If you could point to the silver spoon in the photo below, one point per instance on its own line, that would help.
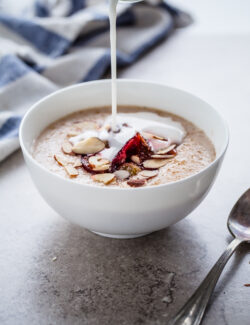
(238, 224)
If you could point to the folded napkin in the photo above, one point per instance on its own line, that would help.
(66, 42)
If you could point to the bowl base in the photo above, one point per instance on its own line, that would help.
(120, 236)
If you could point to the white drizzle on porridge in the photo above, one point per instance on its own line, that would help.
(127, 127)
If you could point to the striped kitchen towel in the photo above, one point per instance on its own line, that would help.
(65, 42)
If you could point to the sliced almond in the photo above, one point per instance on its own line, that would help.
(158, 137)
(60, 160)
(122, 174)
(136, 159)
(67, 148)
(96, 161)
(148, 173)
(166, 150)
(77, 163)
(88, 146)
(154, 163)
(71, 171)
(149, 135)
(101, 168)
(136, 182)
(73, 133)
(162, 156)
(103, 178)
(157, 145)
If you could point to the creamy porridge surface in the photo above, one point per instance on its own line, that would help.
(194, 153)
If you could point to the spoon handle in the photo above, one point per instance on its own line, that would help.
(192, 312)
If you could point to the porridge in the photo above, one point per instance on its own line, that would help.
(149, 147)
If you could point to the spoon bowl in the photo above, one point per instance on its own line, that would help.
(239, 219)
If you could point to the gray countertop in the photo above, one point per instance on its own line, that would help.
(52, 272)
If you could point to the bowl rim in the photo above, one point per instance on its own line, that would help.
(143, 188)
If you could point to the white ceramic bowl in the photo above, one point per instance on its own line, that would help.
(118, 212)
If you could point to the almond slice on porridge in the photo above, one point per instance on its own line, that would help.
(67, 147)
(101, 168)
(62, 161)
(71, 171)
(122, 174)
(73, 133)
(98, 163)
(158, 137)
(148, 174)
(154, 163)
(149, 135)
(77, 162)
(162, 156)
(88, 146)
(136, 159)
(166, 150)
(105, 178)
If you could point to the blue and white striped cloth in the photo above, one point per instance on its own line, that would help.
(66, 42)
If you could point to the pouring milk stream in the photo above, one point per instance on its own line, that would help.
(137, 122)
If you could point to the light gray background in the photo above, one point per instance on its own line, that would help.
(96, 280)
